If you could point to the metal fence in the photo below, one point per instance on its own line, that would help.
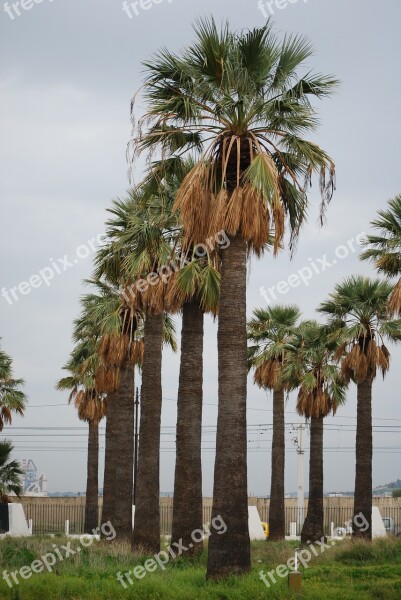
(51, 518)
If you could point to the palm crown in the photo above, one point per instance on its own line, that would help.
(272, 330)
(239, 103)
(361, 322)
(311, 367)
(82, 366)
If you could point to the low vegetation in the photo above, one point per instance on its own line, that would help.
(349, 570)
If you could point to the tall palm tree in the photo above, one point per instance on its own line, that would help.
(138, 245)
(150, 231)
(272, 329)
(10, 473)
(238, 100)
(196, 288)
(358, 312)
(120, 350)
(12, 398)
(384, 249)
(311, 366)
(91, 408)
(88, 327)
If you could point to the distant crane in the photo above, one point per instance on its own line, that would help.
(33, 484)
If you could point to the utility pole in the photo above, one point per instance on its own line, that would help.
(136, 435)
(299, 445)
(301, 493)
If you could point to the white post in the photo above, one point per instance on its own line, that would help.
(301, 494)
(67, 527)
(30, 526)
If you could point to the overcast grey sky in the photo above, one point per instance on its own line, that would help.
(68, 71)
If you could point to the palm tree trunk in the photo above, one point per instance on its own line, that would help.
(147, 513)
(276, 509)
(229, 552)
(313, 529)
(125, 449)
(110, 458)
(92, 481)
(188, 502)
(364, 451)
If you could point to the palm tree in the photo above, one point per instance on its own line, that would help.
(359, 315)
(272, 330)
(236, 99)
(120, 349)
(10, 473)
(196, 288)
(91, 408)
(138, 245)
(140, 233)
(384, 249)
(12, 399)
(311, 366)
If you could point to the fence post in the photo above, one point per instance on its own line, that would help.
(67, 527)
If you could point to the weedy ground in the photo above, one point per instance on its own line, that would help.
(347, 571)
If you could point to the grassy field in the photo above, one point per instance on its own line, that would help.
(352, 571)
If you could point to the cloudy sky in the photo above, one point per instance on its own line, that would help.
(68, 72)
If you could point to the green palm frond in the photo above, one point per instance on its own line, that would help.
(384, 250)
(169, 331)
(10, 473)
(12, 398)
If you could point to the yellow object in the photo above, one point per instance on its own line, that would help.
(265, 528)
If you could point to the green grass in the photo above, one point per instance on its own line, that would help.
(351, 571)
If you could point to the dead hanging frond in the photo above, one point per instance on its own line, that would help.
(394, 302)
(371, 353)
(340, 352)
(383, 359)
(193, 202)
(346, 372)
(362, 361)
(303, 403)
(358, 363)
(154, 297)
(327, 183)
(107, 379)
(90, 406)
(268, 374)
(246, 202)
(137, 350)
(256, 219)
(218, 210)
(131, 296)
(114, 350)
(316, 403)
(5, 416)
(176, 295)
